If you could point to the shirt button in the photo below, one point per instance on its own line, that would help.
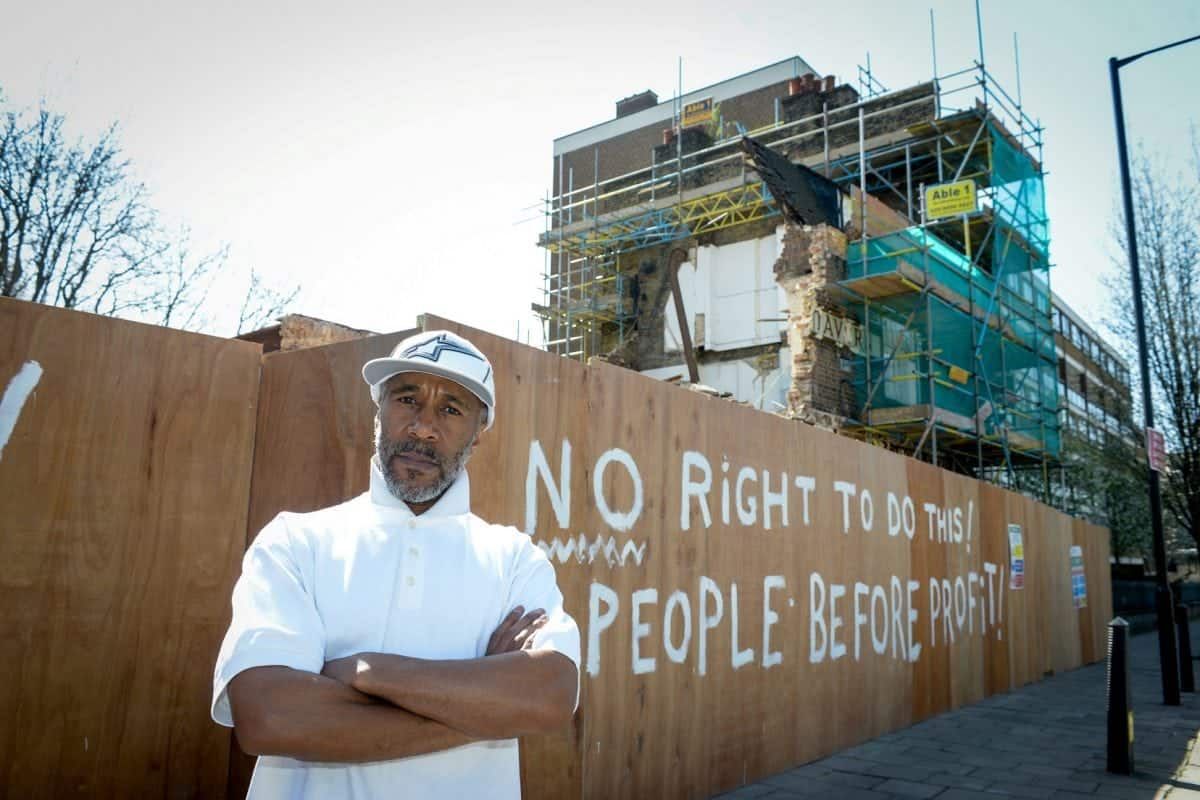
(414, 552)
(412, 523)
(410, 580)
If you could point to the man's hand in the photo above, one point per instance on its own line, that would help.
(344, 670)
(515, 631)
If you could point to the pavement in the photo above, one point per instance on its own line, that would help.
(1044, 740)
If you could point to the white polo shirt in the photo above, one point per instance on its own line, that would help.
(370, 576)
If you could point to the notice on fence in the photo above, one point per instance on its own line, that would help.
(1078, 579)
(1016, 558)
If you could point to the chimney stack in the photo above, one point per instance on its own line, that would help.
(635, 103)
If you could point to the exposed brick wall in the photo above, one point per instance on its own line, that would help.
(880, 218)
(634, 150)
(812, 257)
(842, 109)
(646, 349)
(296, 332)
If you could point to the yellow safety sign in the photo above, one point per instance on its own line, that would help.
(698, 113)
(950, 199)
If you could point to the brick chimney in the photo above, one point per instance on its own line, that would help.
(635, 103)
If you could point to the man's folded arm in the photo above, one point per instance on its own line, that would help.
(281, 711)
(507, 693)
(496, 697)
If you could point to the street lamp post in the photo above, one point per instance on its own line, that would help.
(1167, 648)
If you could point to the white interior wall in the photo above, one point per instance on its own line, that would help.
(734, 287)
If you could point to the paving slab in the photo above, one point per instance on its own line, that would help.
(1044, 740)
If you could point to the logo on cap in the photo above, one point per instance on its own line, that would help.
(432, 349)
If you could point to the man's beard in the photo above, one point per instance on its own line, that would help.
(448, 468)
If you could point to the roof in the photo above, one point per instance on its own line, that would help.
(778, 72)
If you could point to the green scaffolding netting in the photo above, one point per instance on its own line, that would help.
(994, 371)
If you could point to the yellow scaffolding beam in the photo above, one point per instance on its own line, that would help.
(712, 212)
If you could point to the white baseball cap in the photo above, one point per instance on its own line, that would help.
(440, 353)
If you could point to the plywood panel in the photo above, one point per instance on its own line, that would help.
(123, 494)
(1001, 636)
(933, 671)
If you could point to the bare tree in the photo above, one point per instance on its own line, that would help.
(1167, 211)
(1106, 482)
(262, 303)
(76, 230)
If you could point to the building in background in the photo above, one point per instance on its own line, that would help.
(1099, 435)
(1096, 389)
(870, 261)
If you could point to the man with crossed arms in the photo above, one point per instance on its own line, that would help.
(395, 644)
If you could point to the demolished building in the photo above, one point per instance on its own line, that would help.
(869, 261)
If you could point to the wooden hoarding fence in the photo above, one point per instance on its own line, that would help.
(752, 593)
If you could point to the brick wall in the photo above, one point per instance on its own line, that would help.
(811, 257)
(842, 102)
(635, 150)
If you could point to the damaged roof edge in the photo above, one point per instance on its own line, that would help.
(780, 71)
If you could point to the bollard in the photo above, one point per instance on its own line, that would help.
(1187, 680)
(1120, 709)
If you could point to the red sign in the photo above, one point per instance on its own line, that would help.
(1156, 452)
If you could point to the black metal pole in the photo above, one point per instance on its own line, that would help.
(1167, 650)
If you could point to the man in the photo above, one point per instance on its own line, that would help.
(394, 645)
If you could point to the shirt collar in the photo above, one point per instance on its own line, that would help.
(455, 500)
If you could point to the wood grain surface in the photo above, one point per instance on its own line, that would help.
(752, 593)
(123, 495)
(691, 729)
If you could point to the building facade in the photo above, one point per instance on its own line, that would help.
(1094, 379)
(793, 242)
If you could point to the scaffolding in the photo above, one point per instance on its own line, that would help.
(958, 361)
(589, 280)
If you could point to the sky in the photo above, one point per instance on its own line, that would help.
(390, 157)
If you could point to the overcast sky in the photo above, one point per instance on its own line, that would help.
(382, 155)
